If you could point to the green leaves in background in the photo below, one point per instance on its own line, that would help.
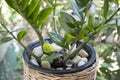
(105, 8)
(21, 35)
(58, 39)
(5, 39)
(47, 48)
(52, 57)
(8, 64)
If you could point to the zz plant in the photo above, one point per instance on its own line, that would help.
(75, 30)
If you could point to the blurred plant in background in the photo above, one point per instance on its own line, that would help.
(106, 42)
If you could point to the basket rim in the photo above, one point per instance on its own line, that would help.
(31, 46)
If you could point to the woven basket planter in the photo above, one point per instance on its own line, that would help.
(85, 72)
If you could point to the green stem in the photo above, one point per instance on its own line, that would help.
(28, 50)
(39, 34)
(74, 53)
(110, 18)
(54, 20)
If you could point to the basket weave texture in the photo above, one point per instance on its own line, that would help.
(87, 74)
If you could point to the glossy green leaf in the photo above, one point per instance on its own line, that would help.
(52, 57)
(21, 34)
(67, 23)
(68, 19)
(77, 7)
(32, 7)
(12, 4)
(83, 33)
(36, 12)
(58, 39)
(5, 39)
(69, 38)
(26, 3)
(44, 14)
(47, 48)
(105, 8)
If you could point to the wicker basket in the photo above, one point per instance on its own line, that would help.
(87, 74)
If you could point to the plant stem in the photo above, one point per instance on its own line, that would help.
(54, 20)
(74, 53)
(28, 50)
(39, 34)
(110, 17)
(68, 53)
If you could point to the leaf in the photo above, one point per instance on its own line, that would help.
(12, 4)
(32, 7)
(21, 34)
(76, 8)
(26, 3)
(69, 38)
(36, 12)
(47, 48)
(68, 19)
(107, 52)
(52, 57)
(83, 33)
(58, 39)
(44, 14)
(105, 8)
(5, 39)
(67, 23)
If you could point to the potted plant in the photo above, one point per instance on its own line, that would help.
(58, 57)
